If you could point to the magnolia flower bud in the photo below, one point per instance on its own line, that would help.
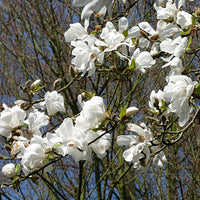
(130, 111)
(7, 147)
(20, 102)
(9, 170)
(35, 84)
(73, 71)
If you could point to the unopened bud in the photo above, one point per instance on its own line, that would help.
(19, 102)
(48, 150)
(56, 83)
(73, 71)
(131, 110)
(18, 132)
(7, 147)
(98, 28)
(9, 170)
(23, 105)
(83, 94)
(35, 84)
(27, 83)
(197, 11)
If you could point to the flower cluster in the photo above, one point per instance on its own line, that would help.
(167, 38)
(35, 149)
(140, 147)
(27, 129)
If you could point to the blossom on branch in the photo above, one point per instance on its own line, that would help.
(34, 156)
(92, 114)
(86, 53)
(76, 31)
(54, 103)
(142, 60)
(138, 152)
(101, 145)
(9, 170)
(111, 36)
(19, 146)
(11, 118)
(171, 12)
(156, 101)
(178, 92)
(35, 121)
(72, 139)
(93, 6)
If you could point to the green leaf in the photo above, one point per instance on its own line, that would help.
(125, 33)
(193, 21)
(36, 89)
(56, 146)
(169, 20)
(89, 94)
(50, 156)
(185, 32)
(194, 14)
(17, 168)
(174, 127)
(123, 112)
(189, 43)
(133, 41)
(152, 111)
(22, 126)
(93, 33)
(15, 182)
(196, 92)
(133, 65)
(110, 110)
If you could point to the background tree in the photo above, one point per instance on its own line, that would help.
(32, 46)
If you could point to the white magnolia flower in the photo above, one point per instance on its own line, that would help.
(86, 53)
(54, 102)
(138, 152)
(142, 60)
(76, 31)
(160, 2)
(184, 19)
(159, 159)
(156, 100)
(177, 92)
(72, 140)
(19, 146)
(101, 145)
(9, 170)
(111, 36)
(163, 30)
(176, 47)
(35, 84)
(34, 156)
(171, 11)
(122, 38)
(92, 114)
(91, 6)
(11, 118)
(131, 110)
(36, 120)
(133, 33)
(175, 65)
